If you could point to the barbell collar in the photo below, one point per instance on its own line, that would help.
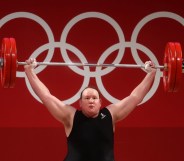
(1, 63)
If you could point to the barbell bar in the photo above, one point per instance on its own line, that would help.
(90, 65)
(172, 69)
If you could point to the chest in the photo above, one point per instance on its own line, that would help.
(93, 130)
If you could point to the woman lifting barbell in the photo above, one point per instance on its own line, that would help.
(90, 130)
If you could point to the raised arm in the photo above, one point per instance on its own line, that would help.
(62, 112)
(125, 106)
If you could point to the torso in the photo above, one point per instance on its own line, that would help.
(91, 139)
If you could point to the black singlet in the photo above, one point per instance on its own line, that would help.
(91, 139)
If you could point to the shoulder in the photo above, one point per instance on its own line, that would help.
(106, 111)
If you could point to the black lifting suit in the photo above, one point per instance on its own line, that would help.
(91, 139)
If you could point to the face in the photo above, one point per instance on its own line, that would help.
(90, 102)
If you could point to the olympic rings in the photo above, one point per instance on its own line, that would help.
(99, 72)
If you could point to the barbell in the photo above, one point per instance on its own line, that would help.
(172, 69)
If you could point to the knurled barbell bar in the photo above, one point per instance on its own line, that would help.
(172, 69)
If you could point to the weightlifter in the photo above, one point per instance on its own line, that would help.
(90, 130)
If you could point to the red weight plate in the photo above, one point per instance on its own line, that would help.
(170, 71)
(172, 68)
(1, 68)
(165, 71)
(6, 69)
(178, 67)
(13, 53)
